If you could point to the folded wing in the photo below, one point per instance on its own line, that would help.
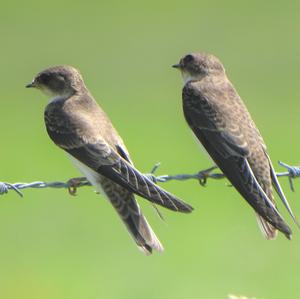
(226, 144)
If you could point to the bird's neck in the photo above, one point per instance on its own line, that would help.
(187, 77)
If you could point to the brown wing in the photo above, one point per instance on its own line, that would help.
(124, 174)
(228, 148)
(79, 138)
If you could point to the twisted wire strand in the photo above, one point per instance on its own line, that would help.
(202, 176)
(292, 173)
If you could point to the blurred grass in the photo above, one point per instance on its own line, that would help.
(54, 246)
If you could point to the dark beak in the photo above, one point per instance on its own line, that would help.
(176, 66)
(32, 84)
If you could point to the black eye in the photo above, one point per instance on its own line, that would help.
(188, 58)
(43, 78)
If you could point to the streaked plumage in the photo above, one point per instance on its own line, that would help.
(76, 123)
(221, 122)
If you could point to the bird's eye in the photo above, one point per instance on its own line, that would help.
(188, 58)
(44, 78)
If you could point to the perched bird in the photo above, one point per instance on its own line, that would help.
(220, 120)
(76, 123)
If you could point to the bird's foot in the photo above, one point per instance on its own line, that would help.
(74, 183)
(205, 174)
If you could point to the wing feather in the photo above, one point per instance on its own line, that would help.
(226, 143)
(280, 192)
(106, 160)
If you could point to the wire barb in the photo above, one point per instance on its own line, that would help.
(292, 173)
(202, 176)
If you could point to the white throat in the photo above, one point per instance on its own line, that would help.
(52, 96)
(188, 77)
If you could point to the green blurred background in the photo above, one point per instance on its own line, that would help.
(56, 246)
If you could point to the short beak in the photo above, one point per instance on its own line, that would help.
(30, 85)
(176, 66)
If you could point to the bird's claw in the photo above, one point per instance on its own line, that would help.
(203, 179)
(204, 175)
(73, 184)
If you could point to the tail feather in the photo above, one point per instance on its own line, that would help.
(137, 224)
(268, 230)
(128, 209)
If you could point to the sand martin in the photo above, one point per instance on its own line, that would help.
(222, 123)
(78, 125)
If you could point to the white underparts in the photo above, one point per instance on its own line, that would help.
(92, 176)
(187, 77)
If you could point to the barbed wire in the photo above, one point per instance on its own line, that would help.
(202, 176)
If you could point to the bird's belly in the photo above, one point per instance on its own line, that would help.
(92, 176)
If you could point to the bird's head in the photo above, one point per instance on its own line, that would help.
(196, 66)
(58, 81)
